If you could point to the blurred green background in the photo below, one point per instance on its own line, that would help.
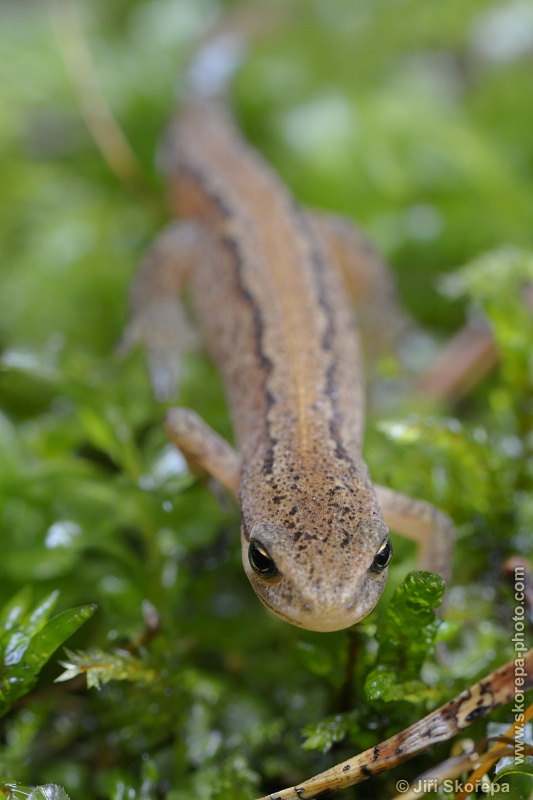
(415, 118)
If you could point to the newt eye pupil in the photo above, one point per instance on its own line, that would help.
(260, 560)
(382, 557)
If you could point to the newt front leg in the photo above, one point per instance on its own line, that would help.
(158, 320)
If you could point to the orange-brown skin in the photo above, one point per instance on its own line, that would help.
(272, 307)
(276, 320)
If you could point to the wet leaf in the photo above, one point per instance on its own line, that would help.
(27, 640)
(101, 668)
(406, 639)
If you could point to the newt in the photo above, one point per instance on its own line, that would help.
(270, 285)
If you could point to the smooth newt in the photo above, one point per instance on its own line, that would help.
(268, 284)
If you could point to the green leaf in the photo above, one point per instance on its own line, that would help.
(28, 639)
(13, 611)
(22, 624)
(101, 667)
(329, 731)
(406, 639)
(382, 684)
(55, 632)
(514, 780)
(48, 791)
(526, 768)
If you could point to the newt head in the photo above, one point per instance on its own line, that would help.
(321, 574)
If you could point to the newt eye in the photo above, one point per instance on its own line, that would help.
(260, 560)
(382, 557)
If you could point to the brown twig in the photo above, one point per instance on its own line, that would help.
(474, 703)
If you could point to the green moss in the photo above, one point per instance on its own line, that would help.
(424, 136)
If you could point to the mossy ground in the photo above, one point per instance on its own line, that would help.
(412, 116)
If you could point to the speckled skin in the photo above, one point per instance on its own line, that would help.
(275, 318)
